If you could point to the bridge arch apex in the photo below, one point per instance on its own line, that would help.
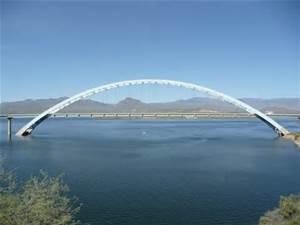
(29, 127)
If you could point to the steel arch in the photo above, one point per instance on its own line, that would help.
(29, 127)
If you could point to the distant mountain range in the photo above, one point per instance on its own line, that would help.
(278, 105)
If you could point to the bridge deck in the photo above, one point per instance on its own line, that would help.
(147, 115)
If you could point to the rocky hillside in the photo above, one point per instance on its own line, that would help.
(284, 105)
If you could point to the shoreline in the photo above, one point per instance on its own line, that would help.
(295, 137)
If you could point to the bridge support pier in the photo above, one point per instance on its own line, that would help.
(9, 122)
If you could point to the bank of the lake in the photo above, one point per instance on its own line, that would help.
(295, 137)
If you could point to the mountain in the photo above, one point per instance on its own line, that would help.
(39, 105)
(29, 105)
(130, 105)
(279, 105)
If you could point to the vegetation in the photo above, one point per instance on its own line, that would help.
(288, 212)
(41, 200)
(296, 135)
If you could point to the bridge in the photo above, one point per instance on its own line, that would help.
(29, 127)
(149, 115)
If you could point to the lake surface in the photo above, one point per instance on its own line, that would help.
(207, 172)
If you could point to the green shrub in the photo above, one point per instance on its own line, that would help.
(288, 212)
(41, 200)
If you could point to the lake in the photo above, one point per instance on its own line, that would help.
(205, 172)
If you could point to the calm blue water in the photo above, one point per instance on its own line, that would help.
(208, 172)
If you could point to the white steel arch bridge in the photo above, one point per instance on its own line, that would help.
(29, 127)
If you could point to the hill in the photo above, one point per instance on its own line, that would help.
(280, 105)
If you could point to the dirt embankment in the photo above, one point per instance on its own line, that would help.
(295, 137)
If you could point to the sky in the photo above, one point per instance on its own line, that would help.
(54, 48)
